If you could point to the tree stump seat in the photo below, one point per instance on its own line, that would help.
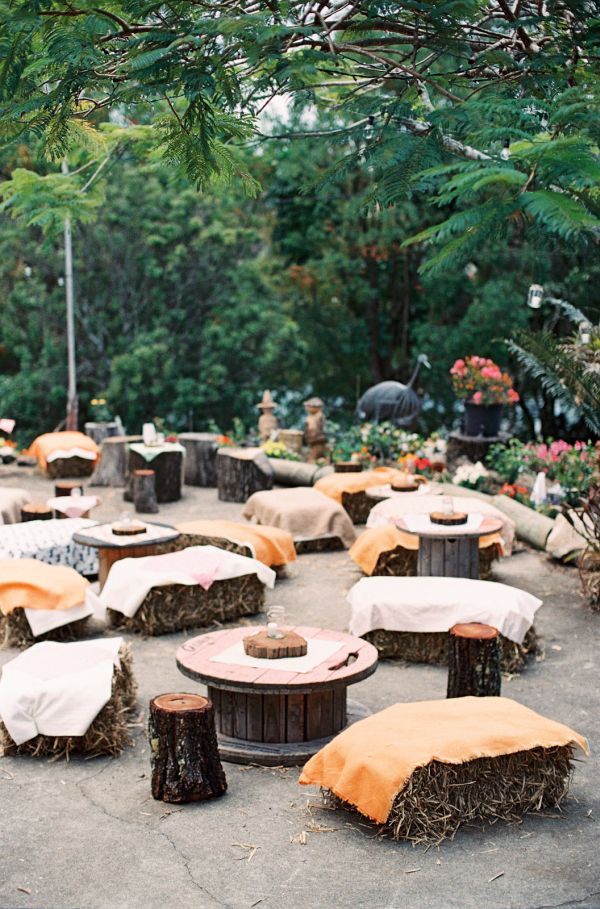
(113, 469)
(473, 661)
(143, 491)
(168, 473)
(184, 754)
(36, 511)
(200, 466)
(242, 472)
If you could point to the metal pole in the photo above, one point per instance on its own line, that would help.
(72, 403)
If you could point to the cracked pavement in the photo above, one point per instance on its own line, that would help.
(88, 834)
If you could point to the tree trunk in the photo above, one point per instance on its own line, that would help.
(185, 761)
(100, 431)
(35, 512)
(473, 661)
(167, 467)
(200, 467)
(241, 472)
(66, 487)
(113, 469)
(143, 491)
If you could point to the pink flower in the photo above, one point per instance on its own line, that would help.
(477, 397)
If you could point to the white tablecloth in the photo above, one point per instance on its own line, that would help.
(51, 542)
(436, 604)
(316, 653)
(57, 689)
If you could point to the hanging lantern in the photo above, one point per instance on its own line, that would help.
(535, 296)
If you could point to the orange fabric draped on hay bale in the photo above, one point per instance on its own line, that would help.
(31, 584)
(369, 763)
(335, 484)
(67, 443)
(376, 540)
(271, 545)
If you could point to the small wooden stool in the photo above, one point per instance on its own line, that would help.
(186, 766)
(36, 511)
(143, 491)
(66, 487)
(473, 661)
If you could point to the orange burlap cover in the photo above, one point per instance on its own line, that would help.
(376, 540)
(46, 444)
(369, 763)
(334, 484)
(271, 545)
(31, 584)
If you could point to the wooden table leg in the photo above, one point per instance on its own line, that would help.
(449, 557)
(107, 556)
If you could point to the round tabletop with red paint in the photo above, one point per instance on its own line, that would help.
(354, 660)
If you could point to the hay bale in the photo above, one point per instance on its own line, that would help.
(432, 647)
(358, 506)
(402, 563)
(185, 540)
(177, 607)
(69, 467)
(15, 631)
(319, 544)
(107, 734)
(438, 798)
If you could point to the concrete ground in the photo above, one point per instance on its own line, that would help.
(88, 833)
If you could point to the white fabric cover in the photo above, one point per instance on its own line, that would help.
(57, 689)
(73, 506)
(401, 505)
(71, 453)
(43, 620)
(130, 580)
(436, 604)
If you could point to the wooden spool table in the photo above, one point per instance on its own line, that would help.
(448, 551)
(111, 547)
(274, 716)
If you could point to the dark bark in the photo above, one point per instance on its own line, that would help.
(473, 661)
(167, 467)
(114, 459)
(200, 458)
(241, 472)
(185, 761)
(143, 491)
(36, 513)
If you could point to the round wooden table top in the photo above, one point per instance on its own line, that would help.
(355, 659)
(386, 491)
(488, 525)
(102, 537)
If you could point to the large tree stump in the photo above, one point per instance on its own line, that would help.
(168, 471)
(475, 448)
(36, 512)
(241, 472)
(100, 431)
(200, 465)
(113, 469)
(473, 661)
(143, 491)
(185, 761)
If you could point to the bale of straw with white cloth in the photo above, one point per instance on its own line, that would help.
(192, 588)
(62, 699)
(409, 618)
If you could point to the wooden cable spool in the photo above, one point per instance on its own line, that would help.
(36, 511)
(265, 648)
(473, 661)
(185, 761)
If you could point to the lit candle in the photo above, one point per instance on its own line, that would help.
(272, 630)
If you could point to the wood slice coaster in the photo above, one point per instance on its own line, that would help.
(404, 487)
(347, 467)
(265, 648)
(450, 520)
(128, 530)
(475, 631)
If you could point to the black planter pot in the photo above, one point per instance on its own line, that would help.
(482, 419)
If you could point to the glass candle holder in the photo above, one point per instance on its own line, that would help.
(447, 505)
(275, 619)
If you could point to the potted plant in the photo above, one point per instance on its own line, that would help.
(485, 389)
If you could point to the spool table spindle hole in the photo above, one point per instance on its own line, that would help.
(347, 661)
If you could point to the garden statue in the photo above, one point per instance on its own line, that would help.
(314, 430)
(267, 422)
(392, 400)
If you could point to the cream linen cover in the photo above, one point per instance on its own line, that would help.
(436, 604)
(130, 580)
(57, 689)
